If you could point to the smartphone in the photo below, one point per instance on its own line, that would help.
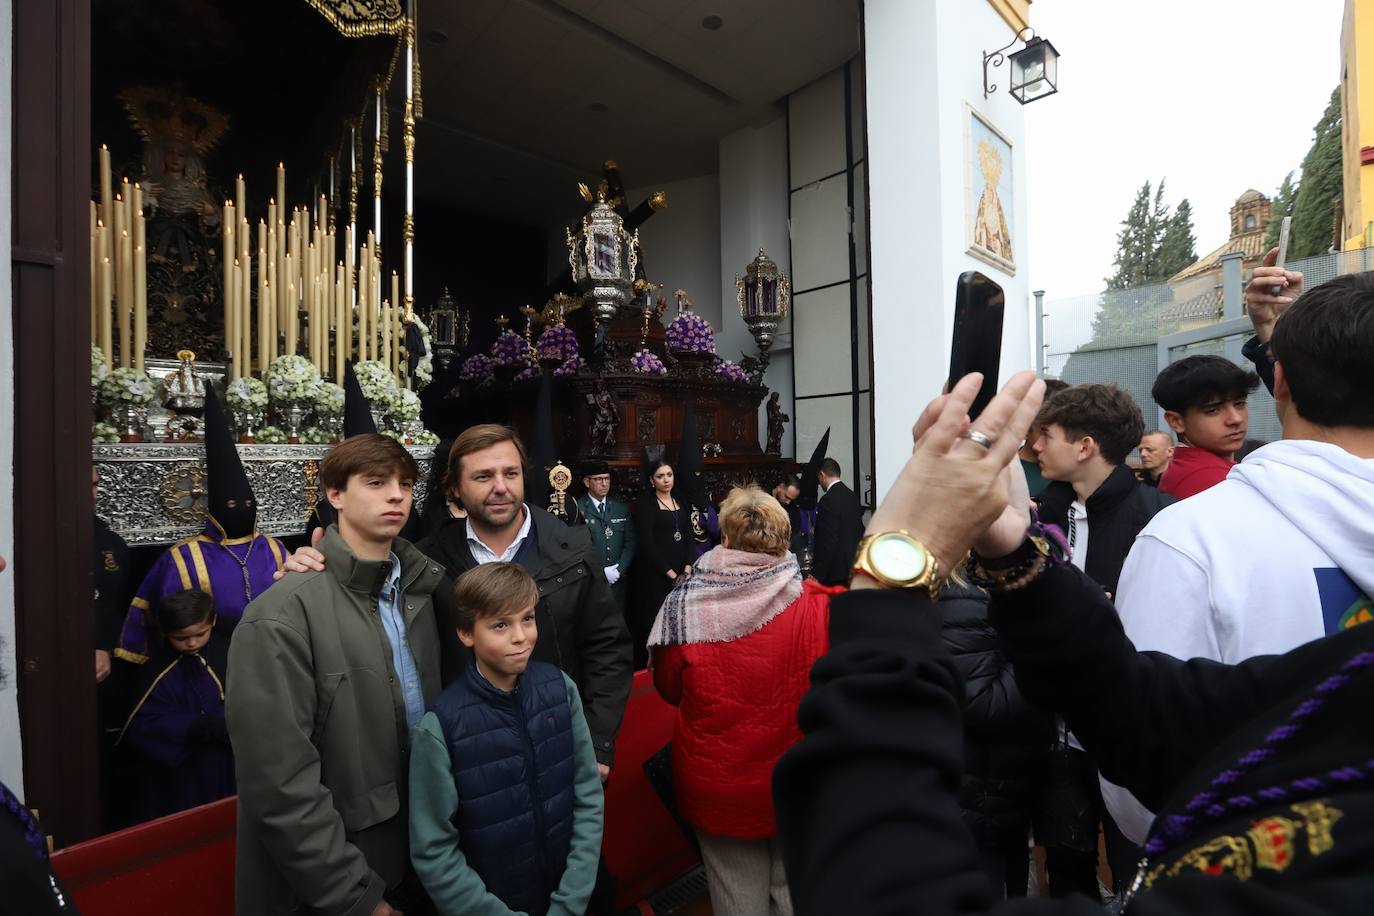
(977, 342)
(1284, 228)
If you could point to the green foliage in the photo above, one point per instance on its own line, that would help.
(1319, 188)
(1135, 243)
(1282, 205)
(1178, 248)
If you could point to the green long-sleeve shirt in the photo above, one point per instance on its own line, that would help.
(452, 884)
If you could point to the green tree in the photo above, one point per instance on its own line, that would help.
(1319, 188)
(1135, 243)
(1282, 205)
(1177, 247)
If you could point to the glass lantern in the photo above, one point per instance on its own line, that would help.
(448, 328)
(1034, 71)
(763, 296)
(603, 258)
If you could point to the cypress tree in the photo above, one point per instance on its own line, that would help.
(1319, 188)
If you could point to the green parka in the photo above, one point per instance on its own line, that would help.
(317, 721)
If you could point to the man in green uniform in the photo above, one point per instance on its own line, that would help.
(613, 534)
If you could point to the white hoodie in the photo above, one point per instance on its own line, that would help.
(1279, 553)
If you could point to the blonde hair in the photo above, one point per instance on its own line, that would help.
(755, 522)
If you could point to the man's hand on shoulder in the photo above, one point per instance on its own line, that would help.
(305, 559)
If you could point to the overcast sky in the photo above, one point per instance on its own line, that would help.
(1167, 89)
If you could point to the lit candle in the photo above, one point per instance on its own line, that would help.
(140, 280)
(342, 332)
(126, 298)
(349, 262)
(264, 316)
(281, 191)
(292, 318)
(106, 292)
(364, 290)
(231, 321)
(228, 257)
(386, 337)
(240, 195)
(274, 290)
(95, 275)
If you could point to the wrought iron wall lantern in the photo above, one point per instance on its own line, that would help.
(1034, 69)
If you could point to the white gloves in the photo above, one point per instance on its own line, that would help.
(613, 574)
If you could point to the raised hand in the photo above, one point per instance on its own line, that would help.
(1269, 293)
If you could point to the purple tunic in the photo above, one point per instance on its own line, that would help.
(233, 571)
(177, 733)
(705, 530)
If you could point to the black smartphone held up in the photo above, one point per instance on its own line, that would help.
(977, 343)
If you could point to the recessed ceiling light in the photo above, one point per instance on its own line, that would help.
(712, 23)
(436, 37)
(597, 107)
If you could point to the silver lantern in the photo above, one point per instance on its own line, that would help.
(448, 329)
(603, 258)
(763, 297)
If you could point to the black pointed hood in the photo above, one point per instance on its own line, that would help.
(231, 501)
(810, 483)
(689, 461)
(357, 413)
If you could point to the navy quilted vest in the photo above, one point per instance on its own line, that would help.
(512, 758)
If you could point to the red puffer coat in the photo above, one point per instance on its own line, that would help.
(737, 712)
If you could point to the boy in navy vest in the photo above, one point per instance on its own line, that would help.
(505, 795)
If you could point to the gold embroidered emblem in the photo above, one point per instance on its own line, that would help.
(1318, 818)
(1273, 841)
(1225, 855)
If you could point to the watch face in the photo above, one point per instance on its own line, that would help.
(897, 558)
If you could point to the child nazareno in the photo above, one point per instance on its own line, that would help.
(505, 796)
(176, 728)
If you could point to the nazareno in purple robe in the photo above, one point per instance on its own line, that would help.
(233, 571)
(176, 732)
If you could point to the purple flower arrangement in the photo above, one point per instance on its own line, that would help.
(477, 368)
(569, 367)
(690, 333)
(527, 373)
(731, 372)
(646, 362)
(558, 342)
(510, 349)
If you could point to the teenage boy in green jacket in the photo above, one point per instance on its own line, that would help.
(331, 670)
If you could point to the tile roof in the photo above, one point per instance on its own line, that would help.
(1249, 244)
(1204, 305)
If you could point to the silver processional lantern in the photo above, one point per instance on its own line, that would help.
(603, 258)
(448, 328)
(763, 296)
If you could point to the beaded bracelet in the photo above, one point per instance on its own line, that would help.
(1043, 548)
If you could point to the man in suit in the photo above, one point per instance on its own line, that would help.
(608, 520)
(839, 526)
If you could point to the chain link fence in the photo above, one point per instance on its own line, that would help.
(1115, 336)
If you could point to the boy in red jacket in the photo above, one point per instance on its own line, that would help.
(1205, 401)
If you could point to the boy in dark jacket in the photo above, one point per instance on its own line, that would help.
(505, 794)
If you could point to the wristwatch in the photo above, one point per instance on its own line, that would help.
(895, 559)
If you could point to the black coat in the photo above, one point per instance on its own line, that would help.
(580, 627)
(866, 802)
(1117, 511)
(839, 528)
(1006, 737)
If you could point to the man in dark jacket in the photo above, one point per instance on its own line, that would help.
(1086, 432)
(839, 525)
(580, 628)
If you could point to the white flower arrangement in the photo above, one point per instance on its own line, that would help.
(246, 395)
(292, 379)
(127, 387)
(270, 435)
(376, 381)
(427, 438)
(405, 407)
(104, 432)
(392, 434)
(316, 435)
(424, 372)
(98, 370)
(329, 401)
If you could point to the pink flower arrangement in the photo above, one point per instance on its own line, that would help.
(569, 367)
(558, 342)
(732, 372)
(477, 368)
(646, 362)
(690, 333)
(510, 349)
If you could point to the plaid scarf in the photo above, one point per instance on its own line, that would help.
(728, 594)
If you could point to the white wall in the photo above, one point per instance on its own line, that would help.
(682, 243)
(11, 760)
(917, 87)
(753, 215)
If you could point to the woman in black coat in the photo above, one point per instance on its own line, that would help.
(1005, 740)
(663, 533)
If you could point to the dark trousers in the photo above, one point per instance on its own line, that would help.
(1007, 868)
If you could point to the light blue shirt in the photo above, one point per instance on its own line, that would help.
(389, 606)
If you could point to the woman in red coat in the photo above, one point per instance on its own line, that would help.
(732, 649)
